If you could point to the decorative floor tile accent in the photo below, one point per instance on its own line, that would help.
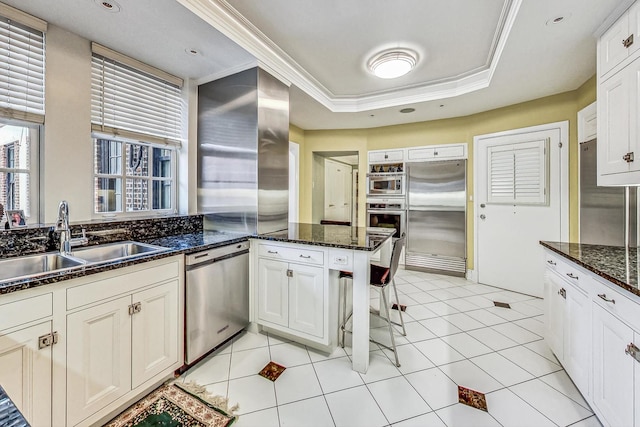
(472, 398)
(501, 304)
(272, 371)
(402, 307)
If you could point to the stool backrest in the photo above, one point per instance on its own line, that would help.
(395, 256)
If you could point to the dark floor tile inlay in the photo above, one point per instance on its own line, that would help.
(272, 371)
(402, 307)
(472, 398)
(501, 304)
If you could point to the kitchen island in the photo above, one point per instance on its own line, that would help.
(295, 282)
(592, 324)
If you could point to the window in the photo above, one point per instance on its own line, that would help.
(136, 116)
(18, 177)
(131, 176)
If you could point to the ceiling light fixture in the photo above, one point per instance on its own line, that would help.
(392, 63)
(559, 19)
(192, 51)
(109, 6)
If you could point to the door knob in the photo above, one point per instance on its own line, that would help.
(483, 216)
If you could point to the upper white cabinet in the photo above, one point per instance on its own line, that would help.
(386, 156)
(620, 41)
(437, 152)
(618, 126)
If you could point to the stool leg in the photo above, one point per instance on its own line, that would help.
(393, 340)
(393, 282)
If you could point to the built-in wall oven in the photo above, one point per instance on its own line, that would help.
(385, 184)
(387, 212)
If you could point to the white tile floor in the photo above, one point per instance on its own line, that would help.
(455, 336)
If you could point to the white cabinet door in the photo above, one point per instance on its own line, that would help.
(154, 332)
(612, 50)
(633, 71)
(273, 291)
(577, 338)
(613, 124)
(637, 380)
(306, 300)
(554, 318)
(25, 373)
(386, 156)
(98, 357)
(426, 153)
(613, 385)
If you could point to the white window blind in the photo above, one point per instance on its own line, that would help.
(21, 71)
(134, 104)
(518, 173)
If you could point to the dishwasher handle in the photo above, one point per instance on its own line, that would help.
(211, 255)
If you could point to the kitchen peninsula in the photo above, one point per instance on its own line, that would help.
(295, 282)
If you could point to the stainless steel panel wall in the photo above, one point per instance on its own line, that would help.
(243, 149)
(602, 209)
(273, 153)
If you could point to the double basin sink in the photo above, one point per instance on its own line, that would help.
(34, 265)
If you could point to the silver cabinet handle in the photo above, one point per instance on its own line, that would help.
(272, 252)
(305, 256)
(604, 297)
(632, 351)
(552, 262)
(563, 293)
(571, 275)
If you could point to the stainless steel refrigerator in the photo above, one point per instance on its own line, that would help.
(436, 217)
(603, 210)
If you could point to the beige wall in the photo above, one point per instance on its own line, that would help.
(551, 109)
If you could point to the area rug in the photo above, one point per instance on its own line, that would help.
(176, 404)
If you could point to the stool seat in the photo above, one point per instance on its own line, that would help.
(378, 276)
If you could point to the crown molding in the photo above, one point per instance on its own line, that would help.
(223, 17)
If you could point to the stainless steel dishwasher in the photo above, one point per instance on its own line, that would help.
(217, 297)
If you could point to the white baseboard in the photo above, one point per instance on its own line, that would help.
(471, 275)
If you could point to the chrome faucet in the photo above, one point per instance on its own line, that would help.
(62, 226)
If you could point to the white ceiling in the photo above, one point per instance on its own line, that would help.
(475, 55)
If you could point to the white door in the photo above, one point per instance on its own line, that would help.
(25, 373)
(98, 358)
(337, 184)
(273, 291)
(612, 368)
(306, 296)
(521, 187)
(154, 332)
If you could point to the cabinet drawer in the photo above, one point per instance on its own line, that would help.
(627, 310)
(386, 156)
(292, 254)
(24, 311)
(120, 284)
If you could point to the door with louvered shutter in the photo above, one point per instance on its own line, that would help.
(521, 198)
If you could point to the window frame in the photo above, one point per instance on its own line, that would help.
(149, 178)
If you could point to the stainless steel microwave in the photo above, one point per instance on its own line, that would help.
(385, 184)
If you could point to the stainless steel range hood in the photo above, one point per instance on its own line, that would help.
(243, 152)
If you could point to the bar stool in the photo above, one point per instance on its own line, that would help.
(380, 278)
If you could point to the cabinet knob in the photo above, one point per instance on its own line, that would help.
(628, 41)
(289, 273)
(483, 216)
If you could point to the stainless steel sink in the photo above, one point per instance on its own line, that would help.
(114, 251)
(26, 266)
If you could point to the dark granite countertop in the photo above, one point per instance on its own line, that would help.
(616, 264)
(10, 416)
(175, 244)
(333, 236)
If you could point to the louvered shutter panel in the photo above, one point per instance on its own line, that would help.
(518, 173)
(21, 71)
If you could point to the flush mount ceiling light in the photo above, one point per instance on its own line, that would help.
(392, 63)
(109, 6)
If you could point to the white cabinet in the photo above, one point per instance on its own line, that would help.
(292, 296)
(577, 337)
(555, 307)
(613, 382)
(620, 41)
(26, 363)
(386, 156)
(618, 102)
(25, 372)
(438, 152)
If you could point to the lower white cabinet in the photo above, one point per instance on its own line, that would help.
(117, 345)
(613, 382)
(291, 296)
(25, 372)
(555, 309)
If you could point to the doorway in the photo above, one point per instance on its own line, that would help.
(521, 197)
(335, 184)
